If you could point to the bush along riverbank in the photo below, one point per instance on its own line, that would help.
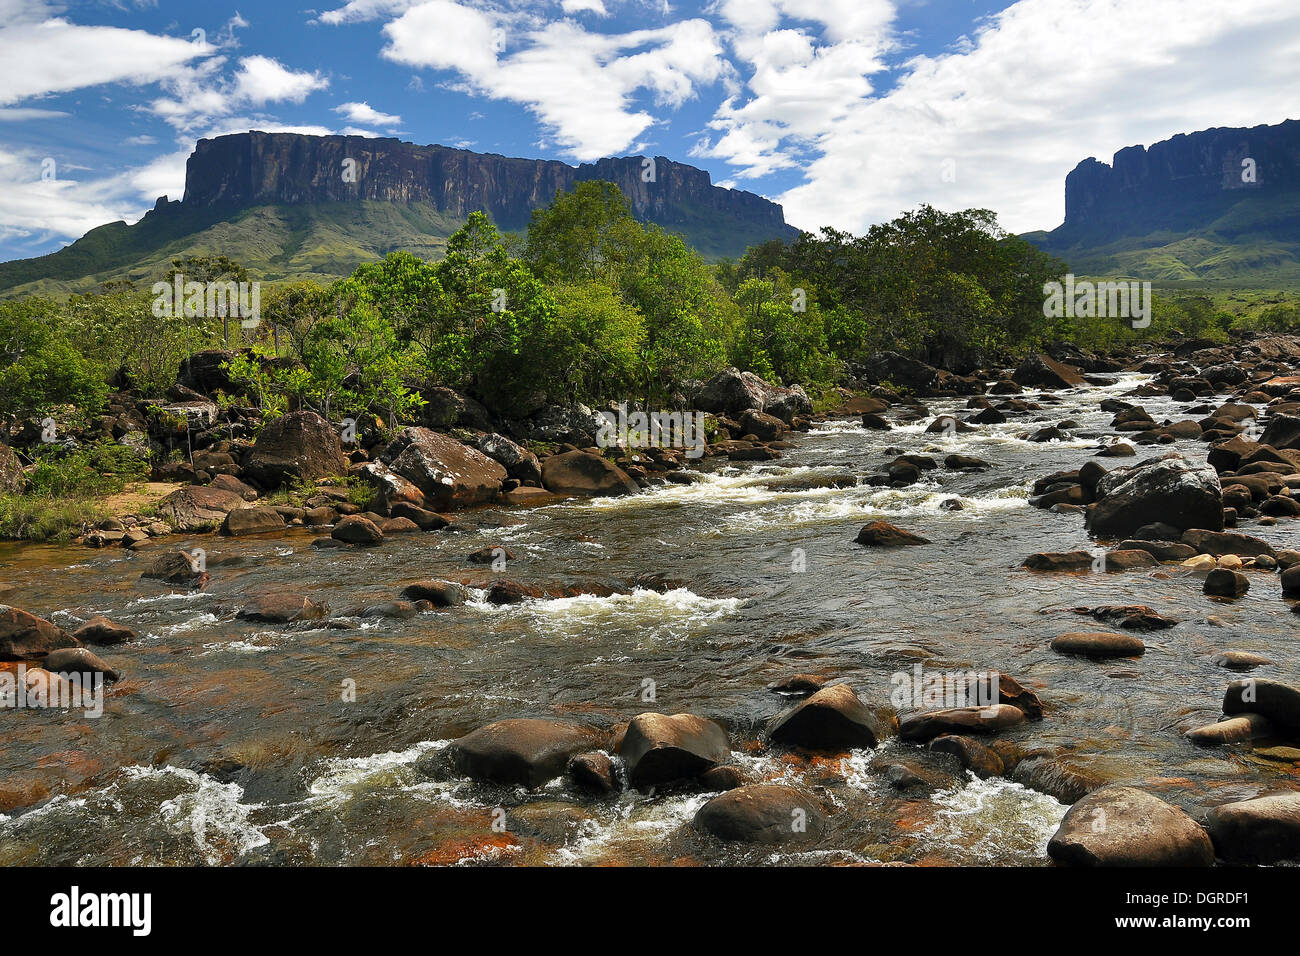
(1208, 512)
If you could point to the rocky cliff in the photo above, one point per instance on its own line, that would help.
(1221, 205)
(257, 169)
(1177, 183)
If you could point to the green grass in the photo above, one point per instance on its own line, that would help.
(40, 518)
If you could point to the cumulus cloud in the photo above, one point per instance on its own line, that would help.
(581, 85)
(55, 56)
(365, 113)
(1038, 87)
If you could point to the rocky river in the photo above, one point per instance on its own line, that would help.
(230, 740)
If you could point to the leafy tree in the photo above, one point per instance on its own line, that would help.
(41, 371)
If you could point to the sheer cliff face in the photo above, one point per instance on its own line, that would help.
(251, 169)
(1177, 183)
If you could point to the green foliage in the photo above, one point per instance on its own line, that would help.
(90, 471)
(41, 371)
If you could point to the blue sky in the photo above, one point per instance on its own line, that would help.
(846, 111)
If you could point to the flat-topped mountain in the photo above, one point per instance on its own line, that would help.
(292, 206)
(1217, 205)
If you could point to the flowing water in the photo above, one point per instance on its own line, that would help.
(231, 742)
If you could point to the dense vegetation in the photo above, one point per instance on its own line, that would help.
(589, 305)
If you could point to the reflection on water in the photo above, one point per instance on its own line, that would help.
(229, 741)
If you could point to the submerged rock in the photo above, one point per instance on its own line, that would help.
(882, 534)
(78, 660)
(100, 630)
(929, 724)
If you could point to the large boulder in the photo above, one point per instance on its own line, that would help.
(391, 489)
(891, 368)
(445, 409)
(731, 392)
(205, 372)
(12, 478)
(1263, 830)
(78, 660)
(658, 749)
(298, 447)
(198, 507)
(26, 637)
(1219, 543)
(1039, 371)
(1282, 431)
(763, 813)
(787, 404)
(518, 461)
(582, 473)
(449, 473)
(926, 725)
(176, 567)
(100, 630)
(1169, 490)
(526, 752)
(576, 424)
(833, 719)
(1123, 826)
(1274, 700)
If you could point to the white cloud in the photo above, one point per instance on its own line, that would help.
(584, 6)
(55, 56)
(580, 85)
(364, 113)
(261, 80)
(18, 114)
(1040, 86)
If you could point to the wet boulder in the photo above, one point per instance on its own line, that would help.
(1058, 561)
(905, 372)
(176, 567)
(26, 637)
(354, 529)
(1263, 830)
(787, 404)
(882, 534)
(658, 749)
(832, 720)
(525, 752)
(1282, 431)
(1219, 543)
(437, 593)
(926, 725)
(1231, 730)
(581, 473)
(78, 660)
(1099, 644)
(762, 426)
(593, 772)
(1225, 582)
(282, 607)
(1170, 490)
(448, 473)
(980, 760)
(1276, 701)
(1124, 826)
(100, 630)
(297, 447)
(763, 813)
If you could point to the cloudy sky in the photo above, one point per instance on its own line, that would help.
(845, 111)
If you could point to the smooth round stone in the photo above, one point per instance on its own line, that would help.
(1099, 644)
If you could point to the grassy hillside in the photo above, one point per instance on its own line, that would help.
(1255, 243)
(273, 242)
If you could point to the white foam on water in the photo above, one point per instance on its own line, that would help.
(171, 596)
(993, 821)
(210, 813)
(653, 615)
(342, 778)
(637, 820)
